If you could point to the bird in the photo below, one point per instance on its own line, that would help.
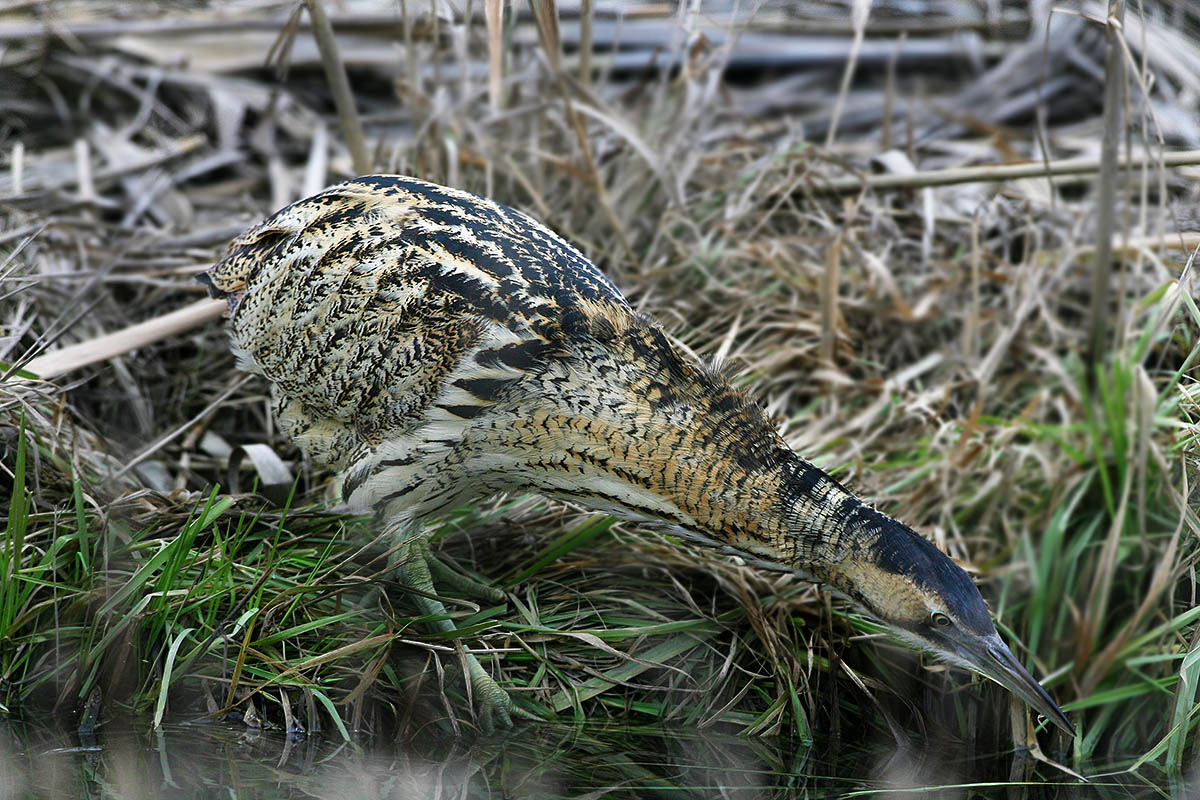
(435, 348)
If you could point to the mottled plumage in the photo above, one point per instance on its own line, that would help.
(436, 347)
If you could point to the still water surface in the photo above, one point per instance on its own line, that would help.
(535, 761)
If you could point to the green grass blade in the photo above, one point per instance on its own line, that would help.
(333, 713)
(161, 706)
(81, 526)
(1185, 705)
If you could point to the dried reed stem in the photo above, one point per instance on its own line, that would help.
(60, 362)
(18, 168)
(339, 85)
(997, 173)
(585, 43)
(862, 9)
(493, 12)
(829, 301)
(1114, 83)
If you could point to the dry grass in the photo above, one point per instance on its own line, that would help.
(941, 373)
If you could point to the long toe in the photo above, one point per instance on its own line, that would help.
(447, 576)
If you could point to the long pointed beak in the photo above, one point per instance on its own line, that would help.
(1002, 666)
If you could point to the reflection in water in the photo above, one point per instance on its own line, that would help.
(535, 761)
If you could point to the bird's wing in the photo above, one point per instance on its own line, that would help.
(359, 304)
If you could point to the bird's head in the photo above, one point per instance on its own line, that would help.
(929, 601)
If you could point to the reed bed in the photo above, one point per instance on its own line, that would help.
(781, 194)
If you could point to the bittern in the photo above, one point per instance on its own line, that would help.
(436, 348)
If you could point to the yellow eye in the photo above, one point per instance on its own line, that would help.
(940, 619)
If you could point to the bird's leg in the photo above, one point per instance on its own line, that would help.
(413, 562)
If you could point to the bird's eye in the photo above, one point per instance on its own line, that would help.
(940, 619)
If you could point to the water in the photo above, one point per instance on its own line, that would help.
(535, 761)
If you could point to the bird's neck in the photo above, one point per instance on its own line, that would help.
(788, 512)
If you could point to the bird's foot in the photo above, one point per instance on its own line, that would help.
(496, 709)
(417, 567)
